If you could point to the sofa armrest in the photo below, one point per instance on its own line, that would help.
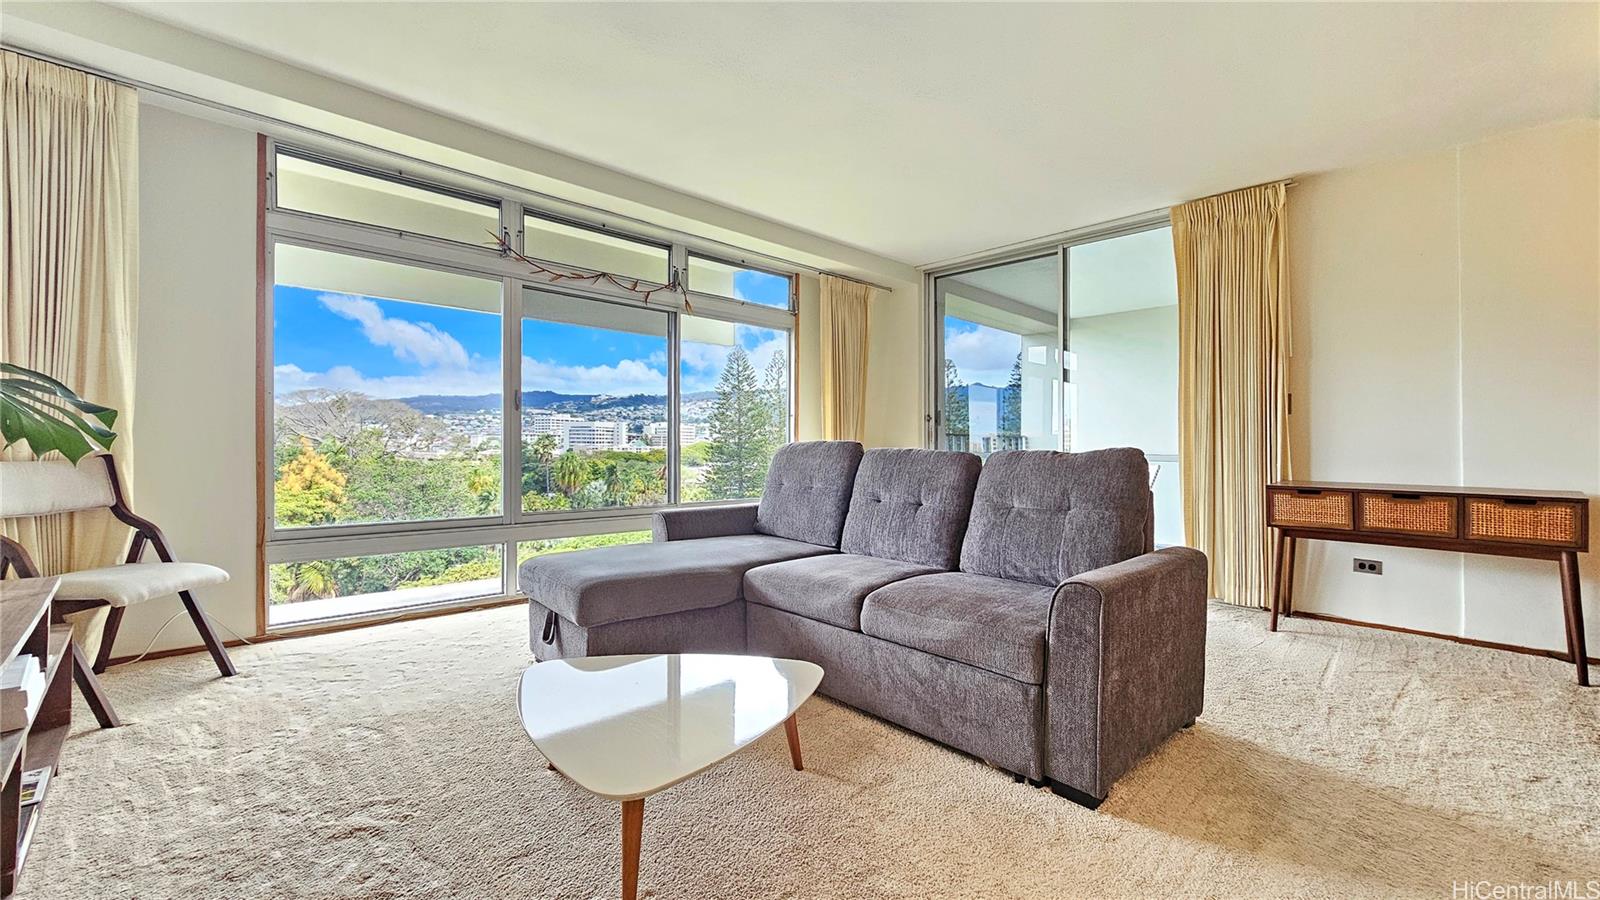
(1126, 666)
(703, 521)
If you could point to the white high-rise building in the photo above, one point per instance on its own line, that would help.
(583, 435)
(688, 433)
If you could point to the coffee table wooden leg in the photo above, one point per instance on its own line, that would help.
(632, 830)
(792, 729)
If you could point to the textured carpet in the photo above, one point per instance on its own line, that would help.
(388, 762)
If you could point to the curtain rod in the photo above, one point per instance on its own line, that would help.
(284, 124)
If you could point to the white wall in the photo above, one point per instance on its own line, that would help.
(1447, 331)
(194, 394)
(896, 376)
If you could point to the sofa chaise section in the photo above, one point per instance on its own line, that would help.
(683, 591)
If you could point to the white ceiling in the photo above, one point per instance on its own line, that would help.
(926, 131)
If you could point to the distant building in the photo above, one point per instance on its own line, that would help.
(655, 433)
(575, 432)
(589, 436)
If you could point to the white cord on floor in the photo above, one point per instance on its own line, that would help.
(157, 635)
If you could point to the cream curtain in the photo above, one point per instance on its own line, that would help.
(69, 156)
(1233, 348)
(844, 358)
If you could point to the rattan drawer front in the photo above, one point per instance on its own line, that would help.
(1553, 522)
(1409, 514)
(1292, 508)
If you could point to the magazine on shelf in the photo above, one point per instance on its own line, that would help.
(34, 781)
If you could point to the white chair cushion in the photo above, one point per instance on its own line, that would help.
(137, 582)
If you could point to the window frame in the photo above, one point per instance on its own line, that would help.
(512, 525)
(532, 213)
(688, 281)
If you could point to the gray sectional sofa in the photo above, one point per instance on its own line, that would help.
(1015, 610)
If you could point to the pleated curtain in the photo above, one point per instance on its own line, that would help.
(69, 156)
(1233, 349)
(844, 358)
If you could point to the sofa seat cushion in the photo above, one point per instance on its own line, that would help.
(990, 623)
(828, 588)
(612, 584)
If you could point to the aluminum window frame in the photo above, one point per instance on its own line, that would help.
(513, 525)
(688, 282)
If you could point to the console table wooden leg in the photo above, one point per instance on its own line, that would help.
(1571, 595)
(792, 729)
(632, 831)
(1289, 544)
(1277, 580)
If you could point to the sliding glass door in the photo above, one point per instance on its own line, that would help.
(1122, 338)
(1001, 379)
(1072, 347)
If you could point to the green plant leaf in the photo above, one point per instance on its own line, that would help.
(48, 415)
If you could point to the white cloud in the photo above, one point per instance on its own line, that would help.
(628, 376)
(702, 357)
(461, 382)
(984, 355)
(419, 342)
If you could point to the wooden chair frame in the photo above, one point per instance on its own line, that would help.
(13, 556)
(145, 534)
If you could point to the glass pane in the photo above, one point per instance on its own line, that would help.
(709, 276)
(735, 409)
(561, 243)
(594, 404)
(386, 390)
(1123, 299)
(526, 550)
(341, 194)
(1002, 365)
(353, 586)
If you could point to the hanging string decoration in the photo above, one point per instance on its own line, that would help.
(632, 285)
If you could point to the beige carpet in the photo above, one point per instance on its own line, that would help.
(388, 762)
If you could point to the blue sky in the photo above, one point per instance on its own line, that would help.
(982, 355)
(390, 348)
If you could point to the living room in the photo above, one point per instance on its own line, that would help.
(1129, 449)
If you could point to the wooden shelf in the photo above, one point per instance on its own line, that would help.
(44, 748)
(24, 606)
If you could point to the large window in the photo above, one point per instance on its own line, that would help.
(440, 411)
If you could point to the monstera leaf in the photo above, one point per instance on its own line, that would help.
(48, 415)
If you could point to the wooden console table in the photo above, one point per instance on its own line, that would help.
(1551, 525)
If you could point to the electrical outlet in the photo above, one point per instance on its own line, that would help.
(1369, 566)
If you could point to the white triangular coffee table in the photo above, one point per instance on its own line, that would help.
(626, 727)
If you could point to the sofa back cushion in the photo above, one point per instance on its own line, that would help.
(808, 491)
(1043, 516)
(911, 505)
